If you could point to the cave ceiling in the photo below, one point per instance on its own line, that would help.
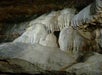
(19, 10)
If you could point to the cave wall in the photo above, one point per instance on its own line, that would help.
(17, 11)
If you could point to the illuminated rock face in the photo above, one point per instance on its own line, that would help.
(38, 44)
(41, 29)
(33, 34)
(50, 41)
(75, 40)
(78, 41)
(71, 41)
(47, 58)
(89, 14)
(66, 38)
(56, 20)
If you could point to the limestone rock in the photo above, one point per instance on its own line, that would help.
(33, 34)
(66, 38)
(92, 66)
(17, 66)
(55, 20)
(72, 42)
(99, 38)
(89, 14)
(50, 41)
(48, 58)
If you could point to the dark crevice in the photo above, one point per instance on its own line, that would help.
(56, 33)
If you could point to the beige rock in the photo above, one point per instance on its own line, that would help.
(14, 66)
(92, 66)
(50, 41)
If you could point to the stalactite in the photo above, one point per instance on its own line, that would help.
(56, 20)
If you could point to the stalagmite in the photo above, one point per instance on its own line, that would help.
(66, 38)
(70, 41)
(76, 41)
(50, 41)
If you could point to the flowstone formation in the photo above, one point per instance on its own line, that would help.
(77, 46)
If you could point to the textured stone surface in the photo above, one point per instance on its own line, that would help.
(92, 66)
(48, 58)
(33, 34)
(15, 11)
(90, 14)
(50, 41)
(8, 65)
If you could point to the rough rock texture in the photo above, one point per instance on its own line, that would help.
(55, 20)
(77, 42)
(90, 14)
(47, 58)
(24, 55)
(47, 23)
(92, 66)
(16, 11)
(15, 65)
(50, 41)
(26, 10)
(33, 34)
(99, 38)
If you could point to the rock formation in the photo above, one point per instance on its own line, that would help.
(46, 24)
(50, 41)
(90, 67)
(33, 34)
(11, 66)
(47, 58)
(92, 13)
(78, 47)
